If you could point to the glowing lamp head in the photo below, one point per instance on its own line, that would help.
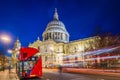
(5, 38)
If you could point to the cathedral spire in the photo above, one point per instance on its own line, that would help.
(56, 15)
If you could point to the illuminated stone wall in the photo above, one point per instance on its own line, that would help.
(52, 53)
(55, 45)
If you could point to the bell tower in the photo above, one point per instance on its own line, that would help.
(15, 51)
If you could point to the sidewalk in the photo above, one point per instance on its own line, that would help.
(13, 75)
(115, 73)
(5, 75)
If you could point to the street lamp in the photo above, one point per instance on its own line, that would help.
(5, 38)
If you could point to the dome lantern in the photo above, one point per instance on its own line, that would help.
(56, 15)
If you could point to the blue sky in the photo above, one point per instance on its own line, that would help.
(27, 19)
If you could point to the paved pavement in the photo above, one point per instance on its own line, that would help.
(5, 75)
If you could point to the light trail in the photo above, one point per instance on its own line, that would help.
(96, 52)
(71, 61)
(108, 57)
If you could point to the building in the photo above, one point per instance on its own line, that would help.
(15, 51)
(55, 45)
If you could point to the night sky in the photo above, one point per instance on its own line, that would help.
(27, 19)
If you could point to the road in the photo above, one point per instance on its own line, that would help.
(50, 75)
(54, 75)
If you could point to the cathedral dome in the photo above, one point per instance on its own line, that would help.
(56, 26)
(56, 30)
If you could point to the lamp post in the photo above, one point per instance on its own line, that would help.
(4, 38)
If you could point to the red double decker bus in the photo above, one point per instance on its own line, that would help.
(29, 64)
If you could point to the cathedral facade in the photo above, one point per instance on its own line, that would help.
(55, 46)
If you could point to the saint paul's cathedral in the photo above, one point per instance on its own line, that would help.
(55, 45)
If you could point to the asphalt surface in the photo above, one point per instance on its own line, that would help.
(55, 75)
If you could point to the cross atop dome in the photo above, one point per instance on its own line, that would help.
(56, 15)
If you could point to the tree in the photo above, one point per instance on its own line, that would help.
(109, 40)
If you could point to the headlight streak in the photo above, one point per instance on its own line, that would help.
(108, 57)
(70, 61)
(96, 52)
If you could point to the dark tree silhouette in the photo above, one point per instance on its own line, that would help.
(109, 40)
